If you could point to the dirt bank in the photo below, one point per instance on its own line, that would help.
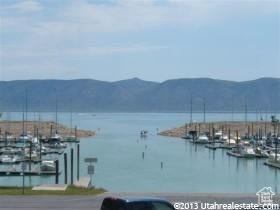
(242, 128)
(15, 128)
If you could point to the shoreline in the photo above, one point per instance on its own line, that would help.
(15, 128)
(243, 128)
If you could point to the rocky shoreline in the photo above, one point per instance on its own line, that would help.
(242, 128)
(15, 128)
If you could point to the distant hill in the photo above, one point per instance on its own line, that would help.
(135, 95)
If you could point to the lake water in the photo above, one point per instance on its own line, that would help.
(186, 167)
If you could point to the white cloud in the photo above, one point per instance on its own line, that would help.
(69, 30)
(35, 52)
(25, 6)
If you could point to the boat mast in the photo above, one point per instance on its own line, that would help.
(71, 118)
(56, 119)
(232, 108)
(191, 110)
(26, 111)
(246, 110)
(204, 110)
(23, 117)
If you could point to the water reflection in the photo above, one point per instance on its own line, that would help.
(276, 180)
(237, 164)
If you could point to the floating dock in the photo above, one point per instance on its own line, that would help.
(28, 173)
(235, 154)
(199, 142)
(272, 164)
(211, 146)
(227, 147)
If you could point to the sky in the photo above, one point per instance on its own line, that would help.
(153, 40)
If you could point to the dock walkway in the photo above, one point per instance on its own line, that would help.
(28, 173)
(83, 182)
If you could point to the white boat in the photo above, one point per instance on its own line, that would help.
(224, 138)
(261, 153)
(48, 165)
(218, 135)
(24, 138)
(55, 138)
(35, 140)
(230, 142)
(247, 152)
(202, 139)
(10, 151)
(187, 136)
(31, 156)
(9, 159)
(272, 155)
(57, 145)
(143, 134)
(246, 143)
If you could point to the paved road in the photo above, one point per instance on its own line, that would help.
(94, 202)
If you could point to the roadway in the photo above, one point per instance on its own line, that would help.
(94, 202)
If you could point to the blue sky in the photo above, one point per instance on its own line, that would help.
(152, 40)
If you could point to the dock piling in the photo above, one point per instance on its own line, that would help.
(40, 149)
(72, 157)
(65, 168)
(30, 151)
(78, 162)
(56, 171)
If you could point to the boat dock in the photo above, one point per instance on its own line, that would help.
(230, 153)
(248, 140)
(272, 164)
(28, 173)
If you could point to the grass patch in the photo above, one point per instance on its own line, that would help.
(71, 190)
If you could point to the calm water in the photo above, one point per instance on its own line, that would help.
(186, 167)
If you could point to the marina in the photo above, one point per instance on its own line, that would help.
(153, 159)
(243, 139)
(36, 152)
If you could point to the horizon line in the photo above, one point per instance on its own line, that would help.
(137, 78)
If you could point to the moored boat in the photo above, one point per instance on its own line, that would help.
(201, 139)
(48, 165)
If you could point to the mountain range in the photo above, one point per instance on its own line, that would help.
(136, 95)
